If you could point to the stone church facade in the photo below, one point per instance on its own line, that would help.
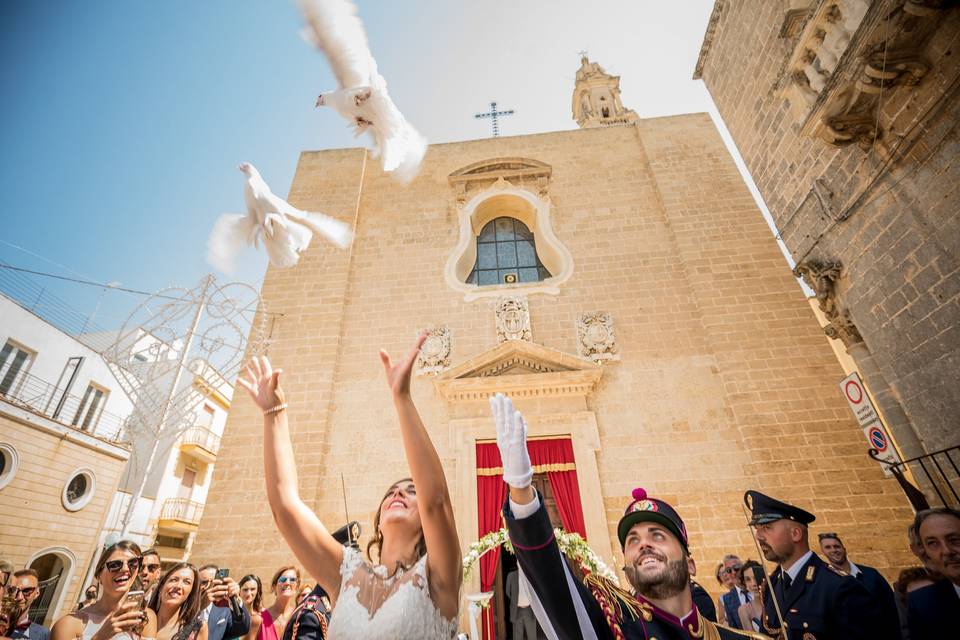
(846, 112)
(656, 328)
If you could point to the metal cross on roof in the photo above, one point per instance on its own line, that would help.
(495, 115)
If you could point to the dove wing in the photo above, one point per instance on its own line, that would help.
(334, 28)
(229, 234)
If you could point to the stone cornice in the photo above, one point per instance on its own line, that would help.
(708, 38)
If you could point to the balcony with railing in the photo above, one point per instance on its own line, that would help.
(200, 443)
(180, 514)
(81, 412)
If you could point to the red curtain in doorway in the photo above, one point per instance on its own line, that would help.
(491, 494)
(555, 458)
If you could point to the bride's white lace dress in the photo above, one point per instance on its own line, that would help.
(375, 606)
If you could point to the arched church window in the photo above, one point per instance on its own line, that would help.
(506, 254)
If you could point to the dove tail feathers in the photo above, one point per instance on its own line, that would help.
(229, 234)
(403, 153)
(335, 231)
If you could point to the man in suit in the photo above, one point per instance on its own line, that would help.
(25, 589)
(655, 547)
(225, 615)
(521, 615)
(811, 597)
(737, 595)
(836, 553)
(931, 610)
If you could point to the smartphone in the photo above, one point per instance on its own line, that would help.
(222, 573)
(134, 596)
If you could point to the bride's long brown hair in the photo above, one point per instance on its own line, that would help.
(377, 541)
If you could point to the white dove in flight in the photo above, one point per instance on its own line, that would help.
(361, 97)
(285, 230)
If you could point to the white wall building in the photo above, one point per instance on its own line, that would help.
(62, 419)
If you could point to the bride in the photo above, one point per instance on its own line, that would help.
(413, 591)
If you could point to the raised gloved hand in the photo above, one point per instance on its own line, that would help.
(512, 442)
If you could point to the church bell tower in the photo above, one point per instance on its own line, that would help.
(596, 98)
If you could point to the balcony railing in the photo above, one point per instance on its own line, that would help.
(180, 514)
(46, 399)
(937, 473)
(201, 442)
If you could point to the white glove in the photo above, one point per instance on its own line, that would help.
(512, 442)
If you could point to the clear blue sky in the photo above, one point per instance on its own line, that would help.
(123, 121)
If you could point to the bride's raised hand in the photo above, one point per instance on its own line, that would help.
(262, 382)
(398, 375)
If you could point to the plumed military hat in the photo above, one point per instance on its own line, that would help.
(647, 509)
(765, 509)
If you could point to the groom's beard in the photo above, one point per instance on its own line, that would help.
(671, 578)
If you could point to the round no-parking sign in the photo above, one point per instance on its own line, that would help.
(878, 439)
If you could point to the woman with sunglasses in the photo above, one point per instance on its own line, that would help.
(177, 603)
(113, 615)
(251, 594)
(284, 586)
(412, 590)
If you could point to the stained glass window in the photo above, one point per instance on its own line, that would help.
(506, 254)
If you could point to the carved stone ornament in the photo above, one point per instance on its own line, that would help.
(435, 353)
(595, 337)
(513, 319)
(822, 278)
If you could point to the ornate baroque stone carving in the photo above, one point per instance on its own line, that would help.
(822, 278)
(435, 354)
(513, 319)
(595, 337)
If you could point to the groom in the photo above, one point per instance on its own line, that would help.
(654, 543)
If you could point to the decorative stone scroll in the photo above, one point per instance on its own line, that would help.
(435, 354)
(822, 277)
(595, 337)
(513, 319)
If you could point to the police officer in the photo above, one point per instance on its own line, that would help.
(816, 601)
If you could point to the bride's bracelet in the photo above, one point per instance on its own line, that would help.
(276, 409)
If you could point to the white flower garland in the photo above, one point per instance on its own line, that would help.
(571, 545)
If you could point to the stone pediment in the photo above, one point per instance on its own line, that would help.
(519, 369)
(506, 168)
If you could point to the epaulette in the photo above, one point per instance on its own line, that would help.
(839, 572)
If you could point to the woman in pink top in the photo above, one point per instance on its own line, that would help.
(284, 585)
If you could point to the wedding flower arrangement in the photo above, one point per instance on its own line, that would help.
(571, 545)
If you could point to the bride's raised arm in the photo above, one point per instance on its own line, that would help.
(309, 540)
(433, 497)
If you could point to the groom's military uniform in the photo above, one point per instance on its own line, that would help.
(576, 611)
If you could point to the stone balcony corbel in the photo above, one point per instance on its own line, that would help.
(848, 53)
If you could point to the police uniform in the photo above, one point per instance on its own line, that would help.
(820, 602)
(309, 620)
(595, 607)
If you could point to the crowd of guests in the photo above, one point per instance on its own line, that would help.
(133, 598)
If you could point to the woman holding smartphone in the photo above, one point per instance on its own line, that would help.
(119, 612)
(177, 603)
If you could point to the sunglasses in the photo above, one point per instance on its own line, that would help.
(152, 567)
(133, 564)
(284, 579)
(26, 591)
(732, 569)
